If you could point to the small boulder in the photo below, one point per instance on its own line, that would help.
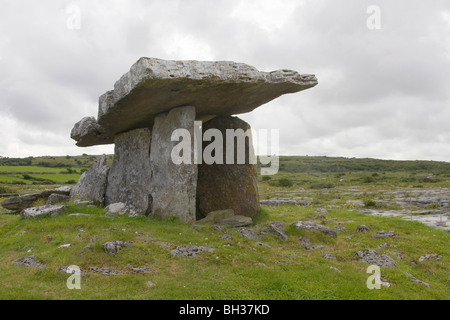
(321, 210)
(362, 228)
(113, 247)
(30, 261)
(42, 211)
(277, 228)
(314, 247)
(373, 257)
(306, 225)
(115, 209)
(236, 221)
(190, 251)
(304, 241)
(432, 256)
(56, 198)
(217, 216)
(226, 236)
(383, 234)
(248, 233)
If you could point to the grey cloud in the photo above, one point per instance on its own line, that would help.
(381, 93)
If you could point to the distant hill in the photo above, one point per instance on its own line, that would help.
(307, 164)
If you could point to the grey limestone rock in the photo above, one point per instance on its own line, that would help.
(373, 257)
(236, 221)
(115, 209)
(362, 228)
(92, 183)
(113, 247)
(383, 234)
(87, 132)
(306, 225)
(417, 280)
(19, 203)
(190, 251)
(30, 261)
(130, 175)
(42, 211)
(248, 233)
(173, 186)
(277, 229)
(56, 198)
(432, 256)
(217, 216)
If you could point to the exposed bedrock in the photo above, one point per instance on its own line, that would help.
(228, 186)
(173, 186)
(130, 175)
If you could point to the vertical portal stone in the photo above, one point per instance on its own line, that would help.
(228, 186)
(130, 175)
(173, 186)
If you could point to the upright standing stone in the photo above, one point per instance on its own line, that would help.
(228, 186)
(173, 186)
(130, 175)
(92, 184)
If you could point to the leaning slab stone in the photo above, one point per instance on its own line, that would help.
(92, 184)
(306, 225)
(153, 86)
(42, 211)
(233, 186)
(19, 203)
(130, 174)
(173, 185)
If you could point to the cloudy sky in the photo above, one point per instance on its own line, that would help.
(384, 79)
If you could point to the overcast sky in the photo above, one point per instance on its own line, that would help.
(382, 93)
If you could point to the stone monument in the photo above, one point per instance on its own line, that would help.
(151, 101)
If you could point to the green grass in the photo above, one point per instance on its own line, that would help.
(230, 272)
(29, 169)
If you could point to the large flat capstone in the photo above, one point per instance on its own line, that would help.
(153, 86)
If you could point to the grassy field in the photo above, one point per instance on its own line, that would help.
(238, 269)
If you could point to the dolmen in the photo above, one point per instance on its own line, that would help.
(159, 117)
